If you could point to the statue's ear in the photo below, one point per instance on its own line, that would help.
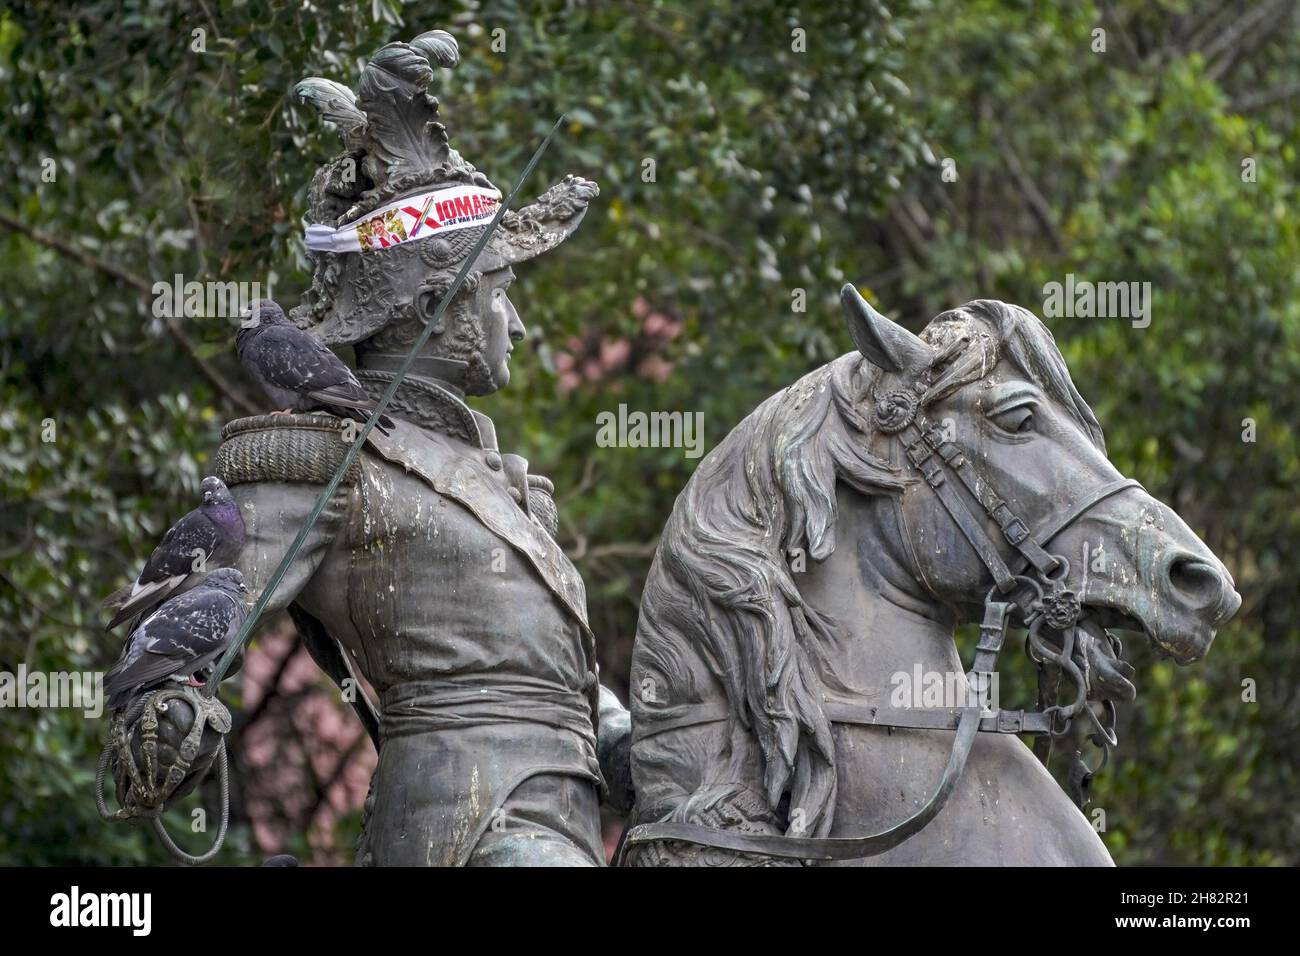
(883, 343)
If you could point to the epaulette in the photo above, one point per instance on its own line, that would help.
(297, 448)
(541, 502)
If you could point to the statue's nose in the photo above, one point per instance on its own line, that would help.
(1205, 587)
(515, 326)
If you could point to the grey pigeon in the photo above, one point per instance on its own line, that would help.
(210, 536)
(296, 370)
(186, 634)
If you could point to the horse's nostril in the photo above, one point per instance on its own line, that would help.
(1198, 582)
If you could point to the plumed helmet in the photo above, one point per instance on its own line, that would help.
(400, 204)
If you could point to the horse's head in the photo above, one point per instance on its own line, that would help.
(989, 377)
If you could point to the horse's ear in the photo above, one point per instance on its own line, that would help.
(883, 343)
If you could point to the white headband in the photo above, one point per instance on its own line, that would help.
(411, 219)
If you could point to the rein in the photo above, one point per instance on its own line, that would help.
(1041, 601)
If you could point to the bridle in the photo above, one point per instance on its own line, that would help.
(1041, 601)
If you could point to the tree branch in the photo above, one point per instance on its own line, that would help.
(1264, 98)
(1038, 206)
(84, 258)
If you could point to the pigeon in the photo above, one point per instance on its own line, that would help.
(209, 536)
(186, 634)
(296, 370)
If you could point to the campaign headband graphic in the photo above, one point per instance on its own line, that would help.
(422, 216)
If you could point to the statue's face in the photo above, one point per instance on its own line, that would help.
(501, 325)
(476, 334)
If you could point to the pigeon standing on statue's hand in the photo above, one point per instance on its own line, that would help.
(186, 634)
(296, 370)
(210, 536)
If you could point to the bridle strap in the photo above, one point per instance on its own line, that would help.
(1083, 505)
(922, 452)
(862, 714)
(1013, 528)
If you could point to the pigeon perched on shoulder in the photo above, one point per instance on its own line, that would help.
(210, 536)
(186, 634)
(296, 370)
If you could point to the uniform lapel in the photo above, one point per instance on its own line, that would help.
(467, 480)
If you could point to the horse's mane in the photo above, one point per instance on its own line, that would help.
(765, 496)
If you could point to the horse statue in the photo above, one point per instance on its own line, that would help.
(833, 542)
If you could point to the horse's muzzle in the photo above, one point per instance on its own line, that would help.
(1203, 597)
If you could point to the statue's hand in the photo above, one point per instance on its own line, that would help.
(614, 751)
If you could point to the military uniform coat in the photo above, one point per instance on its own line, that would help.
(434, 568)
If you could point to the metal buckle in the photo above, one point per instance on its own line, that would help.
(1013, 529)
(1011, 721)
(993, 629)
(933, 472)
(923, 458)
(950, 453)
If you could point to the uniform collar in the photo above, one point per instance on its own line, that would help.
(432, 406)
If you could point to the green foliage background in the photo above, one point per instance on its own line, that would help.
(775, 170)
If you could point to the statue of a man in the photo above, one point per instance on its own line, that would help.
(433, 571)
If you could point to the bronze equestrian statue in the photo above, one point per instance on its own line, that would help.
(832, 542)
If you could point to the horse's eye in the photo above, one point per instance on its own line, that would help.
(1018, 420)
